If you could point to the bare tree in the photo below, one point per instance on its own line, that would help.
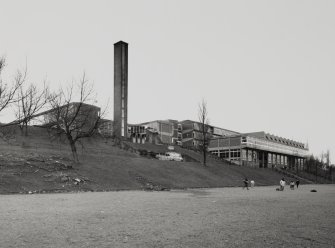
(322, 157)
(74, 119)
(203, 129)
(7, 93)
(30, 102)
(328, 165)
(327, 157)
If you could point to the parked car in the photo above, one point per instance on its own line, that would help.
(170, 156)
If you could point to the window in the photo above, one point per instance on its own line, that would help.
(180, 128)
(224, 154)
(235, 153)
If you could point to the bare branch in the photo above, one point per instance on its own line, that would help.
(203, 128)
(7, 93)
(75, 119)
(30, 102)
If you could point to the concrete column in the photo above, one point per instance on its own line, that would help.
(300, 163)
(263, 159)
(240, 156)
(257, 155)
(247, 156)
(229, 149)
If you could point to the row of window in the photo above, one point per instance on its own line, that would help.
(275, 147)
(284, 141)
(234, 153)
(279, 140)
(136, 129)
(253, 156)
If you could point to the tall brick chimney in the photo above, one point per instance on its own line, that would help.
(120, 89)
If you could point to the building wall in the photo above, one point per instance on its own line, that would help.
(87, 114)
(166, 130)
(152, 137)
(152, 125)
(106, 128)
(193, 130)
(223, 132)
(189, 143)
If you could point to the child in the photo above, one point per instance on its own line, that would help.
(292, 185)
(282, 184)
(246, 182)
(297, 183)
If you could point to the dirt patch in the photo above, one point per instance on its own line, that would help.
(35, 173)
(147, 184)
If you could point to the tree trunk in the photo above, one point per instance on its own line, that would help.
(26, 129)
(74, 151)
(330, 174)
(21, 129)
(316, 172)
(204, 153)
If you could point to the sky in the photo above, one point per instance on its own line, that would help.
(259, 65)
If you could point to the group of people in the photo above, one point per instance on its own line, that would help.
(282, 184)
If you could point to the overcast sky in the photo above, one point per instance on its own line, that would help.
(260, 65)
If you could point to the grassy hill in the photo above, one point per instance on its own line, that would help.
(40, 163)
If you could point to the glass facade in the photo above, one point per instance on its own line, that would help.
(259, 152)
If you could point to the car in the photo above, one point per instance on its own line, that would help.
(170, 156)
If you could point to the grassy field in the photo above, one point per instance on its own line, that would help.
(226, 217)
(37, 163)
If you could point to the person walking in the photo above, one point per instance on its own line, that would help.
(246, 183)
(297, 183)
(282, 184)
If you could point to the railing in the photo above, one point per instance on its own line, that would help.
(274, 147)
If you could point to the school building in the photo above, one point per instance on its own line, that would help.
(261, 150)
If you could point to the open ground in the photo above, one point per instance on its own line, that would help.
(221, 217)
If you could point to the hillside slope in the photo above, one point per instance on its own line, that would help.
(38, 163)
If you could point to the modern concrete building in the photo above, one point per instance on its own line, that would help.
(166, 130)
(81, 114)
(120, 89)
(106, 128)
(137, 133)
(189, 133)
(184, 133)
(260, 150)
